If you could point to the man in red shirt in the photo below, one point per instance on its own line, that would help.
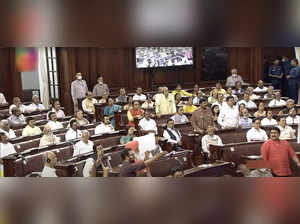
(279, 152)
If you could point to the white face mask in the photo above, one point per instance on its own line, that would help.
(79, 77)
(100, 82)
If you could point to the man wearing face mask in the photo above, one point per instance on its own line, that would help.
(79, 90)
(234, 78)
(100, 88)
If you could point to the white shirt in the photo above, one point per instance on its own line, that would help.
(254, 97)
(141, 97)
(72, 134)
(180, 119)
(229, 116)
(5, 150)
(250, 104)
(103, 128)
(156, 96)
(277, 103)
(260, 90)
(34, 107)
(290, 120)
(167, 136)
(2, 99)
(81, 148)
(148, 125)
(286, 133)
(256, 135)
(89, 163)
(55, 125)
(208, 140)
(48, 172)
(10, 134)
(84, 106)
(267, 122)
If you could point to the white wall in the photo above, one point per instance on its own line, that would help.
(30, 80)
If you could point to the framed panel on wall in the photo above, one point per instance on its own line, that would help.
(214, 63)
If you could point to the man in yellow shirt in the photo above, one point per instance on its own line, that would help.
(165, 104)
(31, 129)
(189, 108)
(218, 89)
(181, 91)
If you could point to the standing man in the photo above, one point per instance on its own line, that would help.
(100, 88)
(276, 74)
(279, 152)
(234, 78)
(165, 104)
(202, 117)
(286, 66)
(79, 90)
(229, 114)
(293, 80)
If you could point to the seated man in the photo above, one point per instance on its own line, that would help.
(179, 117)
(17, 118)
(293, 118)
(172, 135)
(139, 96)
(147, 124)
(56, 109)
(196, 100)
(83, 146)
(229, 114)
(135, 112)
(129, 137)
(31, 129)
(189, 108)
(210, 139)
(88, 103)
(110, 110)
(53, 123)
(248, 103)
(73, 132)
(286, 132)
(269, 120)
(290, 103)
(180, 91)
(2, 99)
(50, 161)
(36, 105)
(81, 121)
(122, 98)
(230, 93)
(17, 103)
(234, 78)
(6, 149)
(220, 101)
(238, 89)
(252, 96)
(4, 127)
(104, 127)
(148, 104)
(48, 138)
(280, 153)
(130, 167)
(270, 94)
(245, 121)
(165, 104)
(277, 102)
(218, 89)
(260, 87)
(256, 133)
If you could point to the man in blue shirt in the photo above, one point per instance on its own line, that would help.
(276, 74)
(286, 67)
(293, 80)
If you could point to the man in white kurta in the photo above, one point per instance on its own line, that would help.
(83, 146)
(6, 149)
(166, 103)
(229, 115)
(148, 124)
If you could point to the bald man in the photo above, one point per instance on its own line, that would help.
(50, 161)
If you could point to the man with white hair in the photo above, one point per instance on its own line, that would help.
(50, 161)
(234, 78)
(2, 99)
(270, 93)
(83, 146)
(4, 128)
(17, 118)
(79, 90)
(36, 105)
(6, 149)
